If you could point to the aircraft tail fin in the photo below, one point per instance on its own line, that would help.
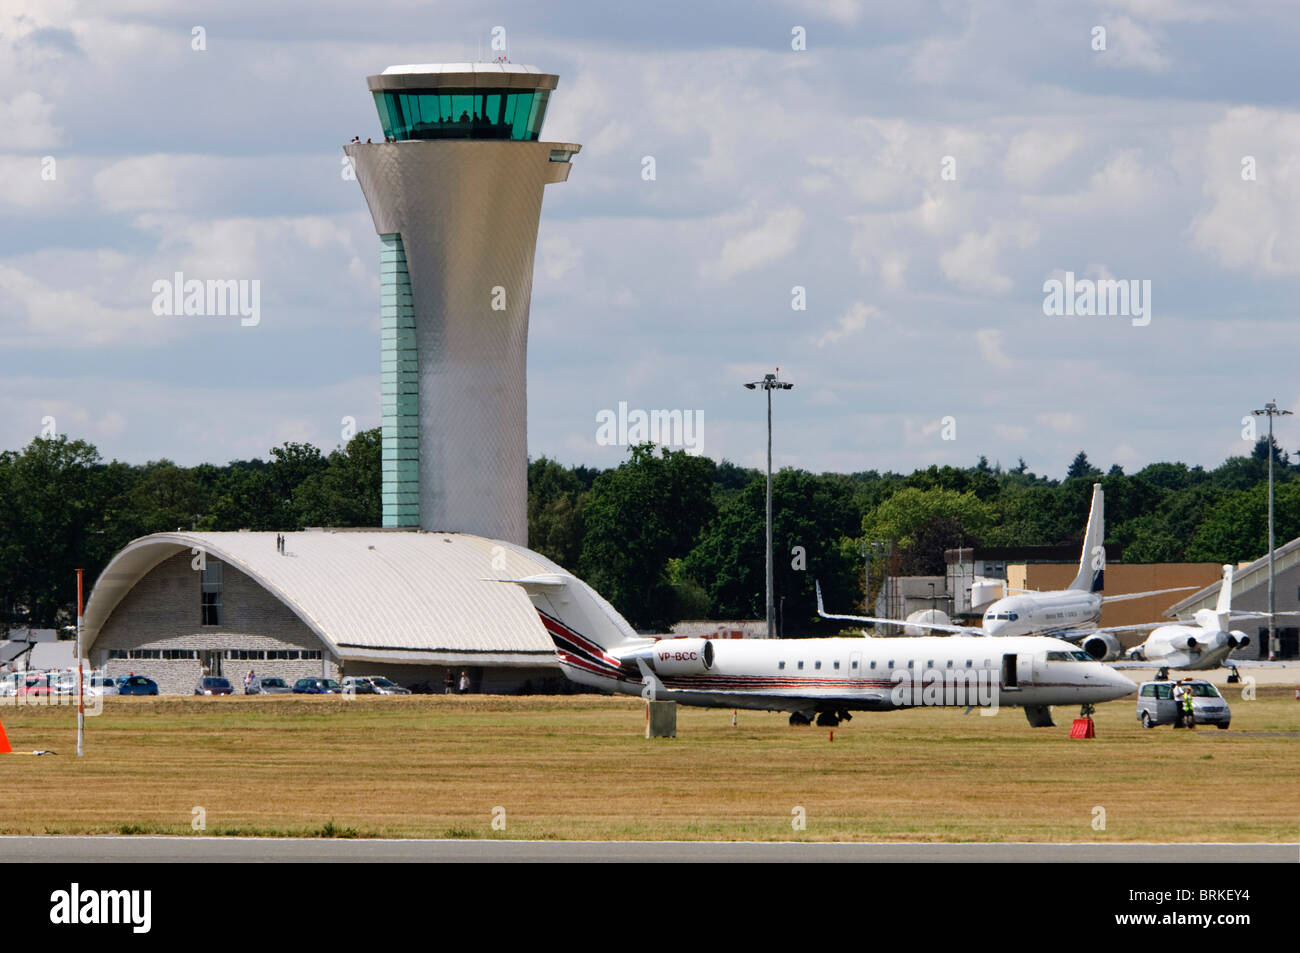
(1224, 605)
(580, 622)
(1223, 608)
(1092, 561)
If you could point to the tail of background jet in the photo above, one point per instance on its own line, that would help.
(1223, 609)
(1092, 561)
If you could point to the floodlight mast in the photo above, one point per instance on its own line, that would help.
(1270, 411)
(770, 383)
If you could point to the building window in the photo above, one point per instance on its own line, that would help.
(210, 595)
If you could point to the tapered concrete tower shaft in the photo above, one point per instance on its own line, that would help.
(456, 201)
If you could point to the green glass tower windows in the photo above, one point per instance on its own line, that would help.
(462, 113)
(400, 388)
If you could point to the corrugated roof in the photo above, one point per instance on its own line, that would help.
(366, 591)
(1243, 579)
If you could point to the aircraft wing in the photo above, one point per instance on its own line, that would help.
(1142, 595)
(938, 626)
(1078, 635)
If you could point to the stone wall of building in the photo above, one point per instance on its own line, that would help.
(163, 613)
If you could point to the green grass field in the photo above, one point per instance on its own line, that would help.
(580, 767)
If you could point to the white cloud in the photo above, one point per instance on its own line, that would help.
(560, 256)
(1060, 421)
(974, 262)
(851, 322)
(775, 238)
(1034, 153)
(34, 313)
(27, 121)
(1253, 226)
(989, 341)
(1129, 45)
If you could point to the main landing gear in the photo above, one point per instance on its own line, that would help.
(1163, 674)
(1235, 677)
(825, 719)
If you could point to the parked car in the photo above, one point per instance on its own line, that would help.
(316, 686)
(64, 683)
(268, 685)
(214, 685)
(136, 685)
(1156, 705)
(372, 685)
(34, 683)
(100, 685)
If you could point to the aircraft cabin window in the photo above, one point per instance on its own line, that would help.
(854, 665)
(891, 663)
(911, 663)
(930, 664)
(950, 663)
(873, 663)
(780, 665)
(969, 661)
(801, 666)
(817, 664)
(837, 664)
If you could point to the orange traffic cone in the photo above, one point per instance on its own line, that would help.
(4, 741)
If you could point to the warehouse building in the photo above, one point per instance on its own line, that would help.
(410, 605)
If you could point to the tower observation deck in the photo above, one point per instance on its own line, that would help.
(456, 195)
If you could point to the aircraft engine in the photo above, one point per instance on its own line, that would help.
(1103, 646)
(1238, 639)
(925, 615)
(682, 656)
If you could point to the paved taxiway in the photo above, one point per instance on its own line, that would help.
(108, 849)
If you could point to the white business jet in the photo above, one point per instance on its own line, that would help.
(1204, 645)
(823, 679)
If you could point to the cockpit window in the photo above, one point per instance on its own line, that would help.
(1069, 657)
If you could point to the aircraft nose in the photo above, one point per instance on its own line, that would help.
(1118, 684)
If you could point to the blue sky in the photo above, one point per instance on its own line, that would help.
(775, 168)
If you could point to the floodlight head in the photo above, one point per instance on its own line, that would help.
(750, 386)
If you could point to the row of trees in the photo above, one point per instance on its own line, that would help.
(665, 536)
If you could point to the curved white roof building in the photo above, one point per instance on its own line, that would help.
(351, 601)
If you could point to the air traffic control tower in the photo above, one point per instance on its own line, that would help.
(456, 194)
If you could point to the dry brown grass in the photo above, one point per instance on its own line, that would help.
(579, 768)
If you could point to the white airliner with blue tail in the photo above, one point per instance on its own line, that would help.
(1071, 614)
